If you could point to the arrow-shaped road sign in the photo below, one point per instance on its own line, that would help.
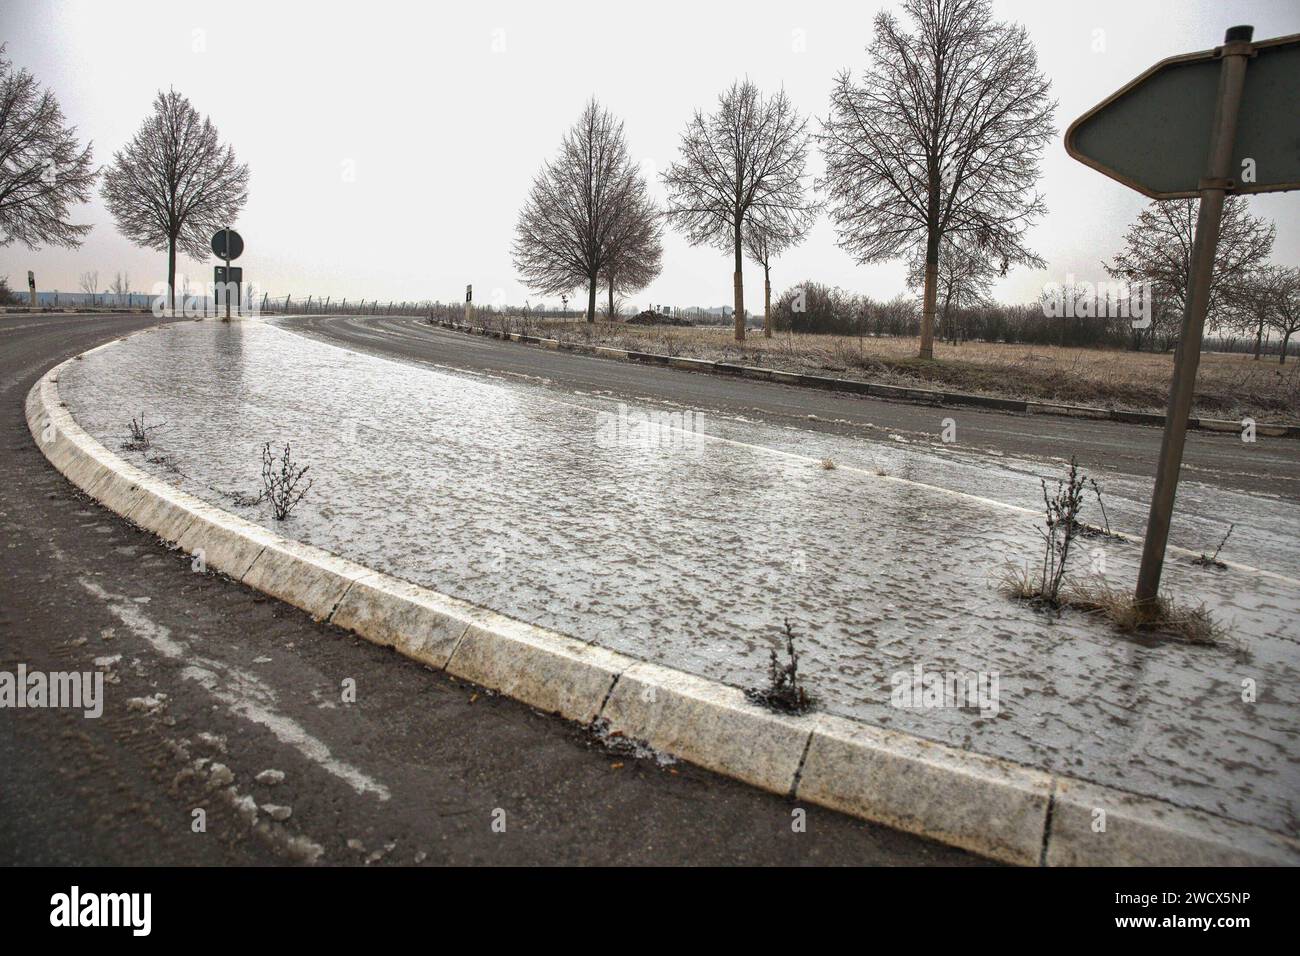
(1154, 134)
(1198, 126)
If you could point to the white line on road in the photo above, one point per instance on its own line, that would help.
(244, 694)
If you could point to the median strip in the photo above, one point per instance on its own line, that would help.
(987, 805)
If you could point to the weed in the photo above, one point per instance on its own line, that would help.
(282, 481)
(281, 484)
(1059, 529)
(783, 692)
(1192, 625)
(141, 433)
(1212, 560)
(168, 462)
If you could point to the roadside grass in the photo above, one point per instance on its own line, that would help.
(1192, 625)
(1228, 386)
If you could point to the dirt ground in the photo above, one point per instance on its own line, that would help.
(1228, 385)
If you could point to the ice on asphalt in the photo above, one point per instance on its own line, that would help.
(687, 537)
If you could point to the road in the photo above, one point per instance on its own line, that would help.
(1269, 466)
(211, 684)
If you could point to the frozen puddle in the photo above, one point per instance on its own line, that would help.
(689, 544)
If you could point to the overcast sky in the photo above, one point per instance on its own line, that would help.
(392, 143)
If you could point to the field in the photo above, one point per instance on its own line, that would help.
(1228, 385)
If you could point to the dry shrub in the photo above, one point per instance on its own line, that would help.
(1193, 625)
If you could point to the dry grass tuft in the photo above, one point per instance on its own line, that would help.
(1191, 625)
(828, 464)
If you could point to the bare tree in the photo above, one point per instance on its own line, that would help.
(1158, 250)
(964, 278)
(1286, 317)
(942, 138)
(743, 163)
(582, 204)
(43, 169)
(1251, 301)
(636, 246)
(90, 282)
(121, 284)
(767, 235)
(174, 184)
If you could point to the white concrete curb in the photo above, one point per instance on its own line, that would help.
(992, 807)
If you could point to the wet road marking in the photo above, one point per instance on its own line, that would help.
(244, 694)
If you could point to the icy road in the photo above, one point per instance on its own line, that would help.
(687, 536)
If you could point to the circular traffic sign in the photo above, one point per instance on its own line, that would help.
(227, 244)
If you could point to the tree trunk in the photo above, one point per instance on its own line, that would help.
(1259, 337)
(611, 298)
(767, 302)
(948, 326)
(1285, 340)
(740, 291)
(931, 292)
(171, 274)
(591, 299)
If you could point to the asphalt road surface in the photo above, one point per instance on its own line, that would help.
(1269, 466)
(209, 684)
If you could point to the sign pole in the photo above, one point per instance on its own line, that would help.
(225, 293)
(1236, 50)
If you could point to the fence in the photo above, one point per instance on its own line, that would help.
(87, 300)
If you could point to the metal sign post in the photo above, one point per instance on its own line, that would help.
(31, 287)
(226, 294)
(1159, 136)
(1214, 186)
(228, 244)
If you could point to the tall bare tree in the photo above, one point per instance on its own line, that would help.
(636, 246)
(174, 184)
(583, 203)
(90, 282)
(942, 138)
(1158, 250)
(43, 169)
(744, 162)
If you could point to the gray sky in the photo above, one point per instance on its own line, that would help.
(392, 143)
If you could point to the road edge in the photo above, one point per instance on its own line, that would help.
(992, 807)
(898, 393)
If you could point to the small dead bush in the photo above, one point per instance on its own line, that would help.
(140, 434)
(282, 483)
(1060, 527)
(1212, 560)
(784, 693)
